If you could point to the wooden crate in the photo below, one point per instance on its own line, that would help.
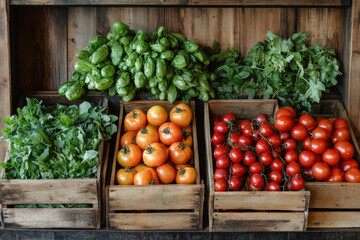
(158, 207)
(255, 211)
(334, 205)
(54, 191)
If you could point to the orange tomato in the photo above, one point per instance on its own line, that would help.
(129, 156)
(188, 140)
(187, 129)
(157, 115)
(125, 176)
(156, 127)
(180, 153)
(147, 176)
(154, 155)
(128, 138)
(146, 136)
(166, 173)
(140, 166)
(186, 175)
(181, 115)
(135, 120)
(170, 133)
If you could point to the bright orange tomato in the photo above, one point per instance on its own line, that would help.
(181, 115)
(188, 140)
(170, 133)
(180, 153)
(166, 173)
(129, 156)
(186, 175)
(135, 120)
(125, 176)
(128, 138)
(157, 115)
(154, 155)
(147, 176)
(140, 166)
(146, 136)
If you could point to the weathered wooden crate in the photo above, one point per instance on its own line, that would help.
(158, 207)
(250, 211)
(54, 191)
(334, 205)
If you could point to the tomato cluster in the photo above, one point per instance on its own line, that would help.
(258, 155)
(149, 142)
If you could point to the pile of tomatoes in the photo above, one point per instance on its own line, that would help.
(155, 151)
(257, 155)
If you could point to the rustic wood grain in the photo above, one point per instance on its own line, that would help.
(5, 71)
(331, 219)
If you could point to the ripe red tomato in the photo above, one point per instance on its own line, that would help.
(326, 124)
(336, 175)
(308, 122)
(219, 151)
(306, 144)
(243, 124)
(291, 110)
(284, 112)
(318, 146)
(249, 158)
(261, 118)
(276, 176)
(352, 175)
(255, 168)
(331, 157)
(252, 188)
(221, 127)
(292, 169)
(321, 133)
(297, 183)
(235, 183)
(273, 186)
(299, 132)
(218, 138)
(307, 158)
(291, 156)
(289, 145)
(284, 136)
(238, 169)
(274, 140)
(284, 123)
(277, 164)
(274, 154)
(340, 134)
(266, 130)
(340, 123)
(247, 131)
(236, 155)
(321, 171)
(256, 137)
(262, 146)
(345, 148)
(244, 141)
(257, 180)
(223, 162)
(234, 137)
(346, 165)
(221, 174)
(229, 117)
(266, 158)
(308, 172)
(221, 185)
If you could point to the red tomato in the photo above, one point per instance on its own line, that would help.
(219, 151)
(284, 112)
(276, 176)
(247, 131)
(336, 175)
(299, 132)
(221, 127)
(221, 174)
(249, 158)
(340, 123)
(255, 168)
(221, 185)
(297, 183)
(255, 137)
(238, 169)
(252, 188)
(223, 162)
(234, 137)
(326, 124)
(261, 118)
(306, 144)
(321, 133)
(292, 169)
(318, 146)
(352, 175)
(340, 134)
(273, 186)
(262, 146)
(331, 157)
(284, 123)
(244, 141)
(235, 183)
(291, 110)
(284, 136)
(257, 180)
(321, 171)
(229, 117)
(308, 122)
(308, 172)
(291, 156)
(307, 158)
(274, 154)
(274, 140)
(218, 138)
(289, 145)
(346, 165)
(266, 130)
(277, 164)
(236, 155)
(266, 158)
(243, 124)
(345, 148)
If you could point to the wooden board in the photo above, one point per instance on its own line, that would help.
(154, 221)
(332, 219)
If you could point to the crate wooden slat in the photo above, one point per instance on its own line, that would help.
(54, 191)
(334, 205)
(165, 206)
(279, 211)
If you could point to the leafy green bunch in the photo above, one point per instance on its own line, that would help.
(277, 68)
(56, 142)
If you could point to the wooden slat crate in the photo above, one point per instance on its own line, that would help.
(254, 211)
(334, 205)
(54, 191)
(158, 207)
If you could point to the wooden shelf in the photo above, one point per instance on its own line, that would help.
(193, 3)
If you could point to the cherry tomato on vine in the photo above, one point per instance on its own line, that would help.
(245, 141)
(221, 127)
(266, 130)
(284, 136)
(257, 180)
(221, 185)
(256, 167)
(297, 183)
(291, 156)
(255, 137)
(261, 118)
(262, 146)
(219, 151)
(218, 138)
(234, 137)
(247, 131)
(235, 183)
(223, 162)
(221, 174)
(293, 169)
(229, 117)
(276, 176)
(238, 169)
(266, 158)
(249, 158)
(289, 145)
(274, 140)
(243, 124)
(277, 164)
(236, 155)
(273, 186)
